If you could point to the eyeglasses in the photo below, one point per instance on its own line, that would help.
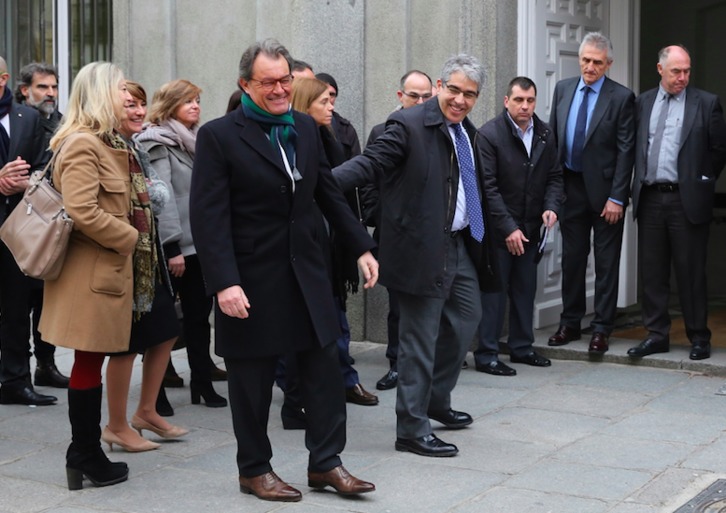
(417, 97)
(468, 95)
(269, 84)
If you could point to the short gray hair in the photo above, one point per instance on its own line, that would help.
(270, 47)
(466, 64)
(599, 41)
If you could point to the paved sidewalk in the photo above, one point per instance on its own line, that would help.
(578, 437)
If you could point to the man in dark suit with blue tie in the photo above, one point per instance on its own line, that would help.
(680, 152)
(592, 117)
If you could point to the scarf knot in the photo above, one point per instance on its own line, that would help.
(280, 128)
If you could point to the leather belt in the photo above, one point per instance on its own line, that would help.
(663, 187)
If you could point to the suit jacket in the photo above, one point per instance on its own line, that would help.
(251, 229)
(607, 158)
(26, 142)
(416, 162)
(701, 156)
(519, 187)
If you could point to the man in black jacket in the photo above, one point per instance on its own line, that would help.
(524, 189)
(433, 247)
(21, 152)
(416, 88)
(38, 88)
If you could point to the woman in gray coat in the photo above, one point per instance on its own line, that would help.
(170, 139)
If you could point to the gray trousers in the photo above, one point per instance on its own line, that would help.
(434, 336)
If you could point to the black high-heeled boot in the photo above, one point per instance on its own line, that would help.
(205, 390)
(84, 457)
(163, 406)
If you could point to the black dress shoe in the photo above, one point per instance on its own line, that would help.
(48, 375)
(564, 335)
(700, 351)
(428, 445)
(25, 395)
(598, 343)
(648, 347)
(532, 358)
(451, 419)
(496, 368)
(389, 381)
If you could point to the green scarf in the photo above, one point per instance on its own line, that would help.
(280, 128)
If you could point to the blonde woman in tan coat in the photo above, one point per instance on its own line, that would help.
(89, 307)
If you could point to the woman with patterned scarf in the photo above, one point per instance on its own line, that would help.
(154, 333)
(108, 273)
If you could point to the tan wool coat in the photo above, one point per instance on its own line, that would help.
(89, 306)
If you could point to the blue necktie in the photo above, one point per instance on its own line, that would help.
(578, 141)
(468, 177)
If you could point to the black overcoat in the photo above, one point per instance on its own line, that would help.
(251, 229)
(419, 175)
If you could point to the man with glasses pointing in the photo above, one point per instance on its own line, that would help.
(433, 247)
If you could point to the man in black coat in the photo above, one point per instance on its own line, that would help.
(416, 88)
(433, 247)
(257, 172)
(38, 88)
(21, 152)
(680, 153)
(523, 186)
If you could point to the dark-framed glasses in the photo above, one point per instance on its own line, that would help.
(417, 97)
(468, 95)
(269, 83)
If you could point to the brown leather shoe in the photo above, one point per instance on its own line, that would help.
(598, 343)
(269, 487)
(359, 395)
(564, 335)
(341, 480)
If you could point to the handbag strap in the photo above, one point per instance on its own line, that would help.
(48, 170)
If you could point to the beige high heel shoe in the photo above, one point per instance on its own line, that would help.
(111, 438)
(173, 432)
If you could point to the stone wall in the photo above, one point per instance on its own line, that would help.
(366, 45)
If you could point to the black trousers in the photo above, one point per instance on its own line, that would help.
(393, 318)
(19, 295)
(250, 383)
(665, 238)
(577, 222)
(196, 307)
